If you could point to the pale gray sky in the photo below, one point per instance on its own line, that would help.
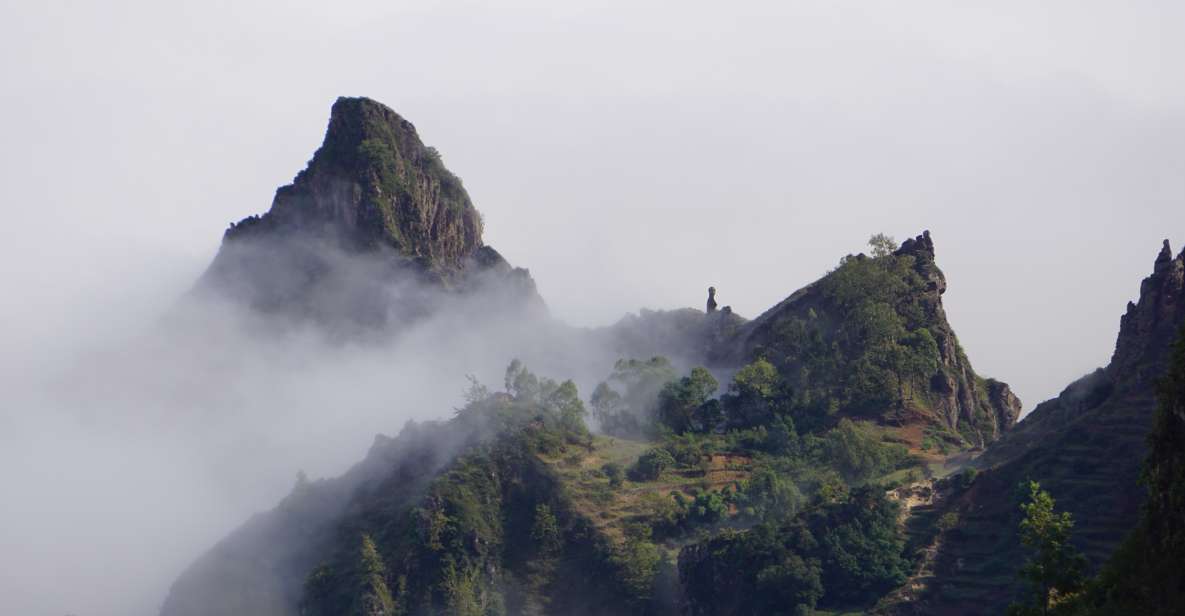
(628, 153)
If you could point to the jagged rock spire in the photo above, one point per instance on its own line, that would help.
(1151, 322)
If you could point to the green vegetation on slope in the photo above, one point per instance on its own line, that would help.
(870, 340)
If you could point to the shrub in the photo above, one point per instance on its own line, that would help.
(651, 464)
(614, 472)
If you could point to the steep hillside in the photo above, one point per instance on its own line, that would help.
(260, 568)
(1145, 576)
(1085, 447)
(871, 339)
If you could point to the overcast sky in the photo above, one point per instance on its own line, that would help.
(629, 154)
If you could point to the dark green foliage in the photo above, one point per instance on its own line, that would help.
(861, 547)
(781, 437)
(768, 495)
(766, 570)
(651, 464)
(681, 403)
(707, 507)
(1164, 476)
(842, 554)
(865, 340)
(638, 563)
(755, 396)
(614, 473)
(858, 455)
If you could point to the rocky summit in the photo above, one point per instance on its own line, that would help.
(374, 208)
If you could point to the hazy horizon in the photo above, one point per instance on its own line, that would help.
(628, 154)
(638, 160)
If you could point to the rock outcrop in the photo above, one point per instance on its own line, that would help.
(987, 406)
(367, 233)
(1148, 326)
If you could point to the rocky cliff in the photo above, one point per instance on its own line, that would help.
(368, 232)
(1085, 447)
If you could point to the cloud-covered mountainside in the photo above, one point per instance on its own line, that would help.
(681, 461)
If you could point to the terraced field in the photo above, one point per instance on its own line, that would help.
(611, 508)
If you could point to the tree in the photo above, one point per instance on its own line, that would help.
(1055, 570)
(770, 496)
(882, 245)
(564, 400)
(680, 401)
(651, 464)
(520, 382)
(758, 379)
(633, 411)
(751, 396)
(861, 546)
(607, 405)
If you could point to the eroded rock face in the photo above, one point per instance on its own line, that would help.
(374, 181)
(1148, 326)
(375, 230)
(962, 394)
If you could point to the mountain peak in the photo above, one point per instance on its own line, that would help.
(373, 190)
(374, 183)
